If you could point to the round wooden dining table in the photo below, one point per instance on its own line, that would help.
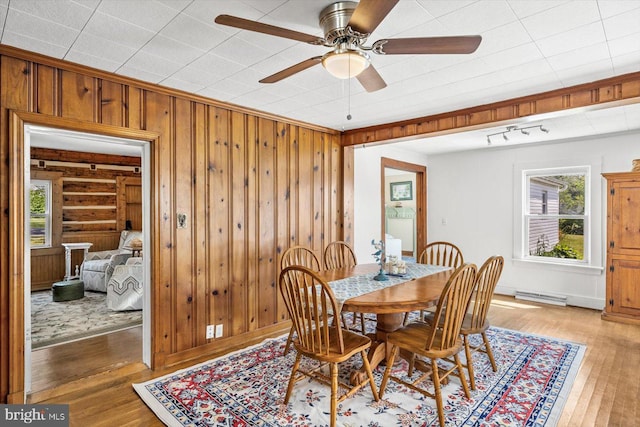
(389, 304)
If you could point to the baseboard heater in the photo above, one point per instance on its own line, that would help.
(543, 298)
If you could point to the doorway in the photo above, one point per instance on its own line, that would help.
(404, 207)
(24, 126)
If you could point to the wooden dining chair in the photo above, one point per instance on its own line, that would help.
(444, 254)
(309, 300)
(340, 254)
(298, 255)
(437, 342)
(476, 322)
(441, 253)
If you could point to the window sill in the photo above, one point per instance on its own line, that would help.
(592, 270)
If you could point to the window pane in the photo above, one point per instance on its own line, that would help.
(38, 195)
(39, 200)
(572, 194)
(563, 194)
(38, 227)
(556, 238)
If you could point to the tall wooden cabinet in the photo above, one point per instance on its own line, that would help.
(623, 247)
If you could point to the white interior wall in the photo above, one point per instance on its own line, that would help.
(471, 203)
(402, 228)
(367, 198)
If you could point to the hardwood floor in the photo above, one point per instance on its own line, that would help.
(59, 365)
(605, 392)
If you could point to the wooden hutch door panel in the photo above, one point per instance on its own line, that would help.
(626, 287)
(626, 218)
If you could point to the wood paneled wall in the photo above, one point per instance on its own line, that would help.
(250, 185)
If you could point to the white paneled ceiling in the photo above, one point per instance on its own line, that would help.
(527, 47)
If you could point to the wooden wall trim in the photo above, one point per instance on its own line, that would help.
(348, 184)
(84, 126)
(17, 121)
(16, 262)
(421, 197)
(613, 91)
(115, 78)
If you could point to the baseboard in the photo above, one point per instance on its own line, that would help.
(573, 300)
(221, 346)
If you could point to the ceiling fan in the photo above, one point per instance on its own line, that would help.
(346, 26)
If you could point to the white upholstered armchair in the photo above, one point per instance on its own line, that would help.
(98, 267)
(124, 290)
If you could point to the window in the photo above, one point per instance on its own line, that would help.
(556, 214)
(40, 219)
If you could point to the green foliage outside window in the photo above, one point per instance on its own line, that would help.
(38, 199)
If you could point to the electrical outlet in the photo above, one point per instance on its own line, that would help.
(219, 330)
(210, 332)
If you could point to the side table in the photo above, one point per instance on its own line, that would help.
(68, 247)
(136, 251)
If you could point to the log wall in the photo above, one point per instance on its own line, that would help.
(250, 185)
(93, 197)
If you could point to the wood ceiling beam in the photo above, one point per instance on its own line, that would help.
(615, 91)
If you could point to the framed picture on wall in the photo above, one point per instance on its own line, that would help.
(401, 191)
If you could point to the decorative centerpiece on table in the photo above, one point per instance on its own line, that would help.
(395, 266)
(380, 259)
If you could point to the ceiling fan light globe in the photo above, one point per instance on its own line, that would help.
(346, 64)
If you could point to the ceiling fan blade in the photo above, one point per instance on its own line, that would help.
(370, 79)
(288, 72)
(428, 45)
(247, 24)
(369, 14)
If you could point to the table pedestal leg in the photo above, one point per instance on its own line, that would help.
(379, 351)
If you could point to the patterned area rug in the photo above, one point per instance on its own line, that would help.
(57, 322)
(247, 388)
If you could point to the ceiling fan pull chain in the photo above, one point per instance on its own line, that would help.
(349, 94)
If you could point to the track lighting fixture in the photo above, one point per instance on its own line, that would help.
(523, 130)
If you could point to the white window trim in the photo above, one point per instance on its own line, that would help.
(47, 214)
(593, 256)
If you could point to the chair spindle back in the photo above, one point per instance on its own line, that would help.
(452, 307)
(309, 301)
(441, 253)
(338, 255)
(300, 255)
(486, 282)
